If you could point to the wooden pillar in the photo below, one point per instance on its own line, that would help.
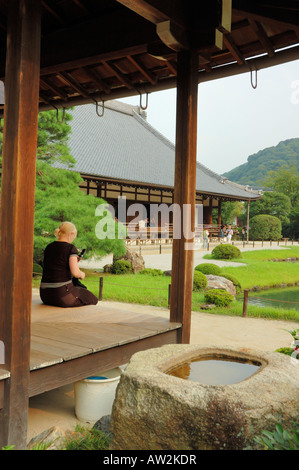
(219, 212)
(17, 211)
(210, 222)
(184, 189)
(247, 228)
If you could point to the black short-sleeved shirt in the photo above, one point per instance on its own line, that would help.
(56, 262)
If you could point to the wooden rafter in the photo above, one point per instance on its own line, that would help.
(280, 13)
(68, 79)
(145, 72)
(261, 34)
(96, 78)
(53, 13)
(57, 91)
(233, 48)
(81, 6)
(157, 11)
(115, 71)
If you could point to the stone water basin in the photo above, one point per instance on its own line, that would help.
(154, 410)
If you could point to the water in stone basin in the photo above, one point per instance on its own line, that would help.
(210, 371)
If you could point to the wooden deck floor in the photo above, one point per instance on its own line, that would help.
(74, 343)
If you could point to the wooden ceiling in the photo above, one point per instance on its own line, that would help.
(97, 50)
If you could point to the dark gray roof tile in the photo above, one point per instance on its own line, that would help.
(124, 146)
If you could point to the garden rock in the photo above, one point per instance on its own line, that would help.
(136, 260)
(103, 424)
(218, 282)
(51, 439)
(156, 411)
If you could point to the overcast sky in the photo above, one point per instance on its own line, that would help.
(234, 120)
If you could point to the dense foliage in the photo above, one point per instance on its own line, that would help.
(219, 297)
(265, 227)
(58, 197)
(270, 159)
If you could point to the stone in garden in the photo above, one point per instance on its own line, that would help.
(218, 282)
(136, 260)
(51, 439)
(153, 410)
(103, 424)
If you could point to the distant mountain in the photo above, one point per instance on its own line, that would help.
(258, 165)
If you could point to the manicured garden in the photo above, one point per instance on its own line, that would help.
(151, 287)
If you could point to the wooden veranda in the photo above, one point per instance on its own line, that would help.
(71, 344)
(60, 53)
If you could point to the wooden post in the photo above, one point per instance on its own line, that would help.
(219, 214)
(245, 301)
(247, 228)
(184, 189)
(17, 211)
(101, 281)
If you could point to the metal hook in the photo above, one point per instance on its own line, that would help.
(146, 102)
(63, 114)
(97, 108)
(254, 85)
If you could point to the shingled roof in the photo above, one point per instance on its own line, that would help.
(123, 146)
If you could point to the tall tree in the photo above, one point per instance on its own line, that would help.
(58, 197)
(273, 203)
(285, 180)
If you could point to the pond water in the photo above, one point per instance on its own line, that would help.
(285, 298)
(211, 371)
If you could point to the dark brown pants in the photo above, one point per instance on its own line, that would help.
(67, 296)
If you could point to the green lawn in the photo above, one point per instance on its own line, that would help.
(258, 270)
(153, 290)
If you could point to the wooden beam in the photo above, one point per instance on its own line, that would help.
(284, 12)
(48, 378)
(52, 13)
(17, 211)
(95, 37)
(157, 11)
(145, 72)
(233, 48)
(68, 79)
(174, 37)
(96, 78)
(263, 38)
(113, 69)
(46, 82)
(184, 190)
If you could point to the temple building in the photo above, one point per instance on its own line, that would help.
(121, 154)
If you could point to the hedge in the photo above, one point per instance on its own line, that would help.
(208, 268)
(226, 251)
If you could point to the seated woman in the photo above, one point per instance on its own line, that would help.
(60, 264)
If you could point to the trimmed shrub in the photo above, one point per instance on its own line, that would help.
(226, 251)
(153, 272)
(121, 266)
(234, 280)
(265, 227)
(208, 268)
(219, 297)
(199, 281)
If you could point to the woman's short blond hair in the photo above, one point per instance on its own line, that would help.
(65, 228)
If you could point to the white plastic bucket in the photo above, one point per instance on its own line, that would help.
(94, 395)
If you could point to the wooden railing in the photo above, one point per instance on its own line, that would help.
(166, 232)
